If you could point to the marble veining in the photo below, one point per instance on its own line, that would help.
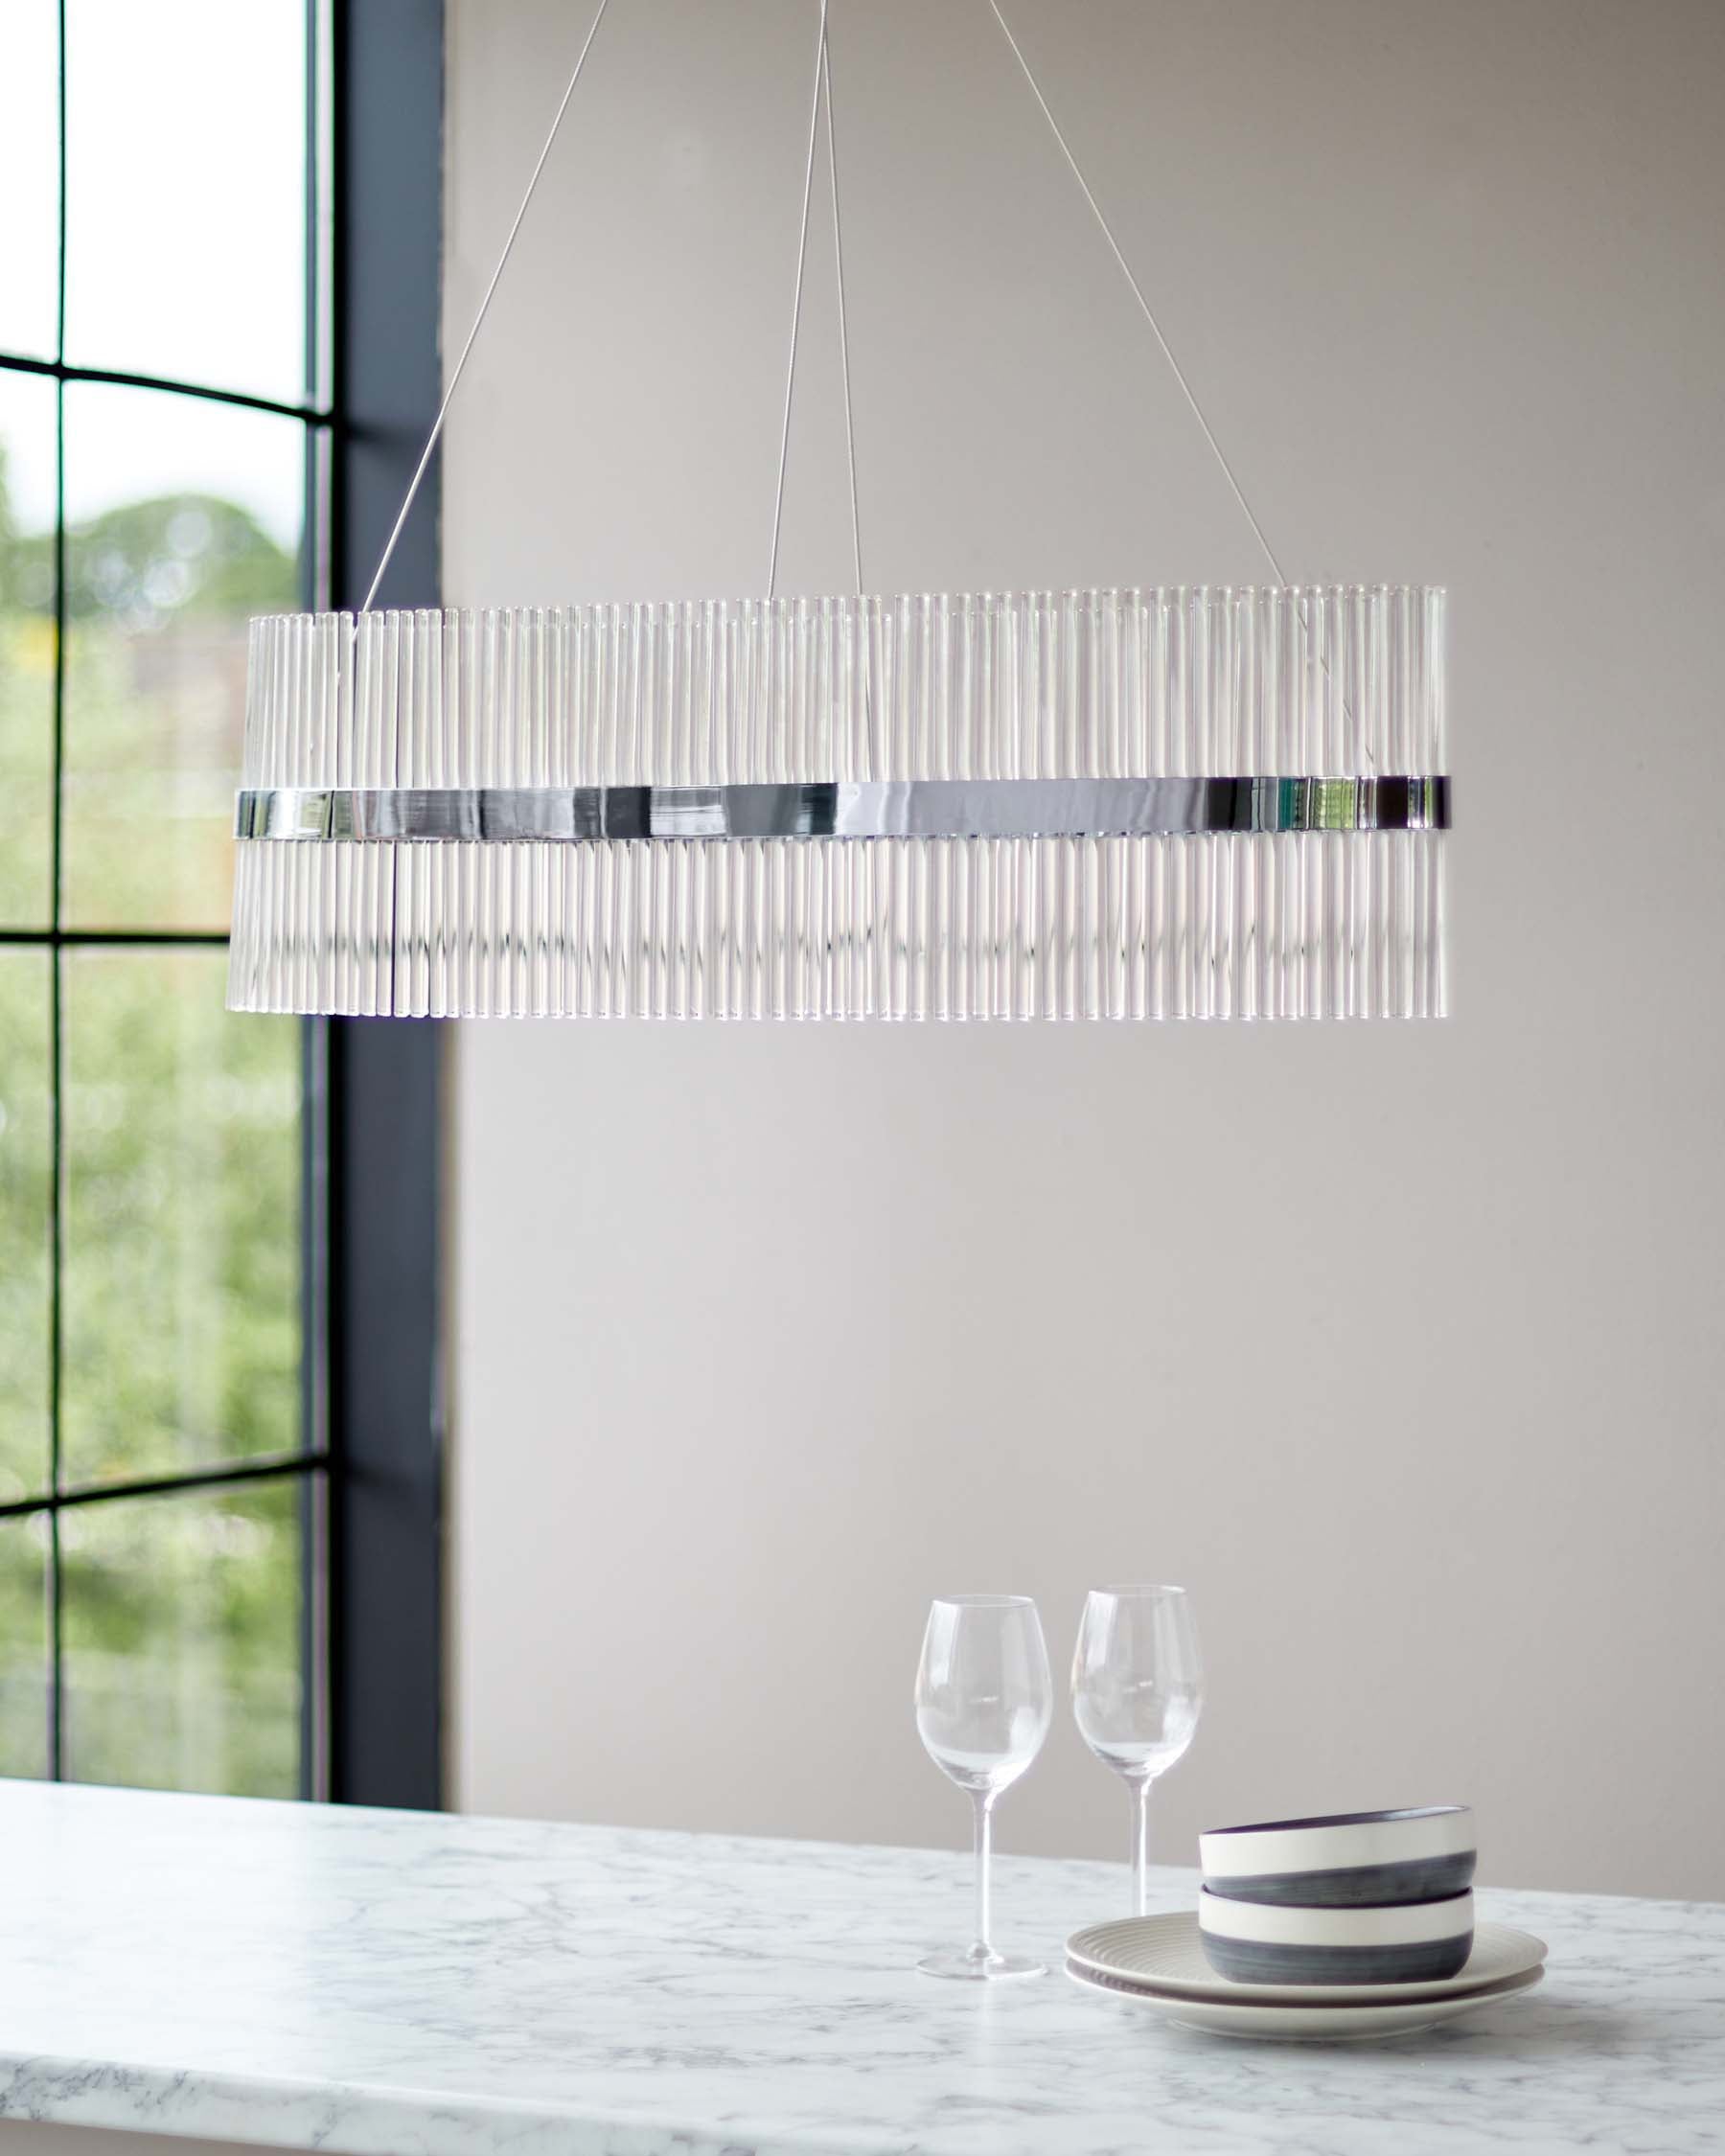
(401, 1985)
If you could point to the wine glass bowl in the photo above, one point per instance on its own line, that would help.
(1137, 1689)
(984, 1700)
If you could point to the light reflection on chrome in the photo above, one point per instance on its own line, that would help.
(1088, 808)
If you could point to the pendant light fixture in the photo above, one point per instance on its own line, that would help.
(1182, 801)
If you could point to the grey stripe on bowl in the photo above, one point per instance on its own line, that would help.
(1244, 1960)
(1356, 1886)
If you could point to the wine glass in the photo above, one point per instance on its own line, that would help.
(985, 1700)
(1137, 1692)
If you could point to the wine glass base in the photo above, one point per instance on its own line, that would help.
(971, 1967)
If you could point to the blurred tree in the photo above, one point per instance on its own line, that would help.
(180, 1223)
(137, 565)
(26, 720)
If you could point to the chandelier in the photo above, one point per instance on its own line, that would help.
(1184, 801)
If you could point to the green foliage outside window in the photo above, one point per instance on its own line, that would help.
(180, 1196)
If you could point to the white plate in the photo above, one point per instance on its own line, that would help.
(1166, 1952)
(1305, 2025)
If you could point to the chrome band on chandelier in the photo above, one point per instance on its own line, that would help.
(1083, 807)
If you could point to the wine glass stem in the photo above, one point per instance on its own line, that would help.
(983, 1800)
(1141, 1847)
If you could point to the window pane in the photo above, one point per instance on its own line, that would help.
(24, 1646)
(26, 1179)
(25, 646)
(186, 191)
(181, 1635)
(30, 178)
(181, 1274)
(184, 518)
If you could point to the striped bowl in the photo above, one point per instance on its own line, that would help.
(1411, 1942)
(1344, 1859)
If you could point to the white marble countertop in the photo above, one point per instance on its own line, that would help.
(392, 1984)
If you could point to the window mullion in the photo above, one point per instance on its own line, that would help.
(56, 1718)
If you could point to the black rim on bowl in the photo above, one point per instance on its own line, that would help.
(1338, 1819)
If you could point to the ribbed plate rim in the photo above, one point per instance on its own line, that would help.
(1319, 2023)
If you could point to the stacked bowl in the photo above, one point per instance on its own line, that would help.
(1356, 1926)
(1353, 1898)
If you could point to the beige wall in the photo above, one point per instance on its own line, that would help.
(1400, 1347)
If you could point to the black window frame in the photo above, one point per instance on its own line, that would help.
(369, 1462)
(375, 1161)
